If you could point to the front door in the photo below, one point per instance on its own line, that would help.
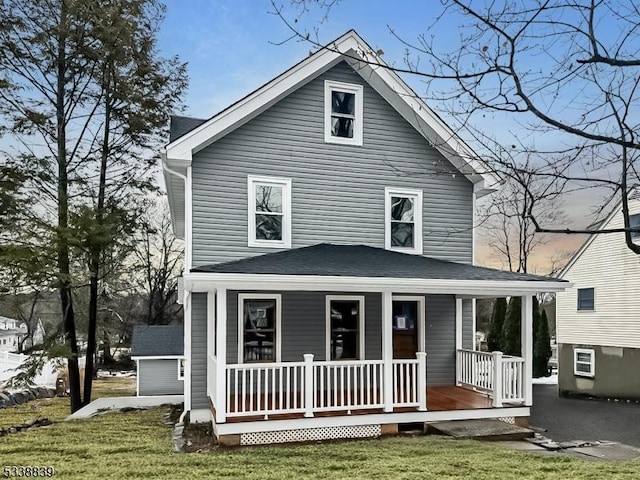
(405, 328)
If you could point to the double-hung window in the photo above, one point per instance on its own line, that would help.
(345, 327)
(634, 222)
(343, 113)
(269, 212)
(181, 363)
(403, 220)
(586, 299)
(584, 362)
(259, 327)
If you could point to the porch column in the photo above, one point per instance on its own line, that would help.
(458, 338)
(187, 350)
(387, 351)
(211, 338)
(221, 357)
(526, 340)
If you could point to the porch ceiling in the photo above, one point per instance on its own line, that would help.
(361, 268)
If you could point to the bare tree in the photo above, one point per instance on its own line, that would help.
(564, 70)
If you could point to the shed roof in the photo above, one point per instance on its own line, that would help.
(157, 340)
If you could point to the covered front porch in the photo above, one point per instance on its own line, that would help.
(278, 356)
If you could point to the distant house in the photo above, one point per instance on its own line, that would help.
(158, 351)
(598, 320)
(11, 334)
(329, 282)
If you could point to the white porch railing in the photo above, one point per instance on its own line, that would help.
(501, 376)
(311, 386)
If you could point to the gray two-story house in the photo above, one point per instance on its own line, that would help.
(329, 286)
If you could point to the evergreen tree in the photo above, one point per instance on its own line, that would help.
(542, 347)
(494, 339)
(511, 329)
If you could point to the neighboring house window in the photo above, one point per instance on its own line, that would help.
(403, 220)
(269, 212)
(343, 113)
(634, 222)
(181, 368)
(345, 327)
(586, 299)
(584, 362)
(259, 328)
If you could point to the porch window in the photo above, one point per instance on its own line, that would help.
(269, 212)
(259, 332)
(345, 327)
(586, 299)
(584, 362)
(403, 220)
(343, 113)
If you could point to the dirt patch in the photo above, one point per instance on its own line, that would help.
(198, 437)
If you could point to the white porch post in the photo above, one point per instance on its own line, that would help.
(422, 381)
(387, 350)
(526, 340)
(187, 350)
(221, 351)
(458, 339)
(497, 379)
(211, 324)
(309, 392)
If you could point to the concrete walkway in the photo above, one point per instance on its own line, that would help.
(116, 403)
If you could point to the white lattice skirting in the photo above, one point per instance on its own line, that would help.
(510, 420)
(310, 434)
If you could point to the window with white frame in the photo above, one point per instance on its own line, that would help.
(181, 368)
(403, 220)
(343, 113)
(269, 212)
(584, 362)
(345, 327)
(259, 328)
(634, 222)
(586, 299)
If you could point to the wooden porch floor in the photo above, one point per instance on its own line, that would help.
(439, 398)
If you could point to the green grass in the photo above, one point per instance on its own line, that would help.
(138, 445)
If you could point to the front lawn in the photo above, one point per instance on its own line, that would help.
(138, 445)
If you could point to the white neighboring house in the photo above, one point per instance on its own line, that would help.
(11, 334)
(598, 320)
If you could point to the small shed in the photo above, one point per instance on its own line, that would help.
(158, 351)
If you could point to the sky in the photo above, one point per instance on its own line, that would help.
(233, 47)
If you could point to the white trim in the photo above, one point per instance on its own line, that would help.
(204, 281)
(592, 363)
(387, 349)
(371, 419)
(358, 120)
(278, 333)
(157, 357)
(200, 415)
(526, 342)
(187, 349)
(416, 195)
(422, 334)
(188, 223)
(459, 333)
(585, 310)
(285, 184)
(361, 323)
(220, 400)
(181, 370)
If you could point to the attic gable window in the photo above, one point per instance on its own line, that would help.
(343, 113)
(269, 220)
(403, 220)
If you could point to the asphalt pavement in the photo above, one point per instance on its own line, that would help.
(567, 419)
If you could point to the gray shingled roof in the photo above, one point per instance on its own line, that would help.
(361, 261)
(157, 340)
(180, 125)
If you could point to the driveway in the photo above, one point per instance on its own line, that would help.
(566, 419)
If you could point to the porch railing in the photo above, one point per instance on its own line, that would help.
(502, 376)
(311, 387)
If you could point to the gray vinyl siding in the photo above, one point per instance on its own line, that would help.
(441, 339)
(468, 335)
(337, 190)
(199, 351)
(159, 377)
(304, 325)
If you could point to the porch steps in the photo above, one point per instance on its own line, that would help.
(486, 429)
